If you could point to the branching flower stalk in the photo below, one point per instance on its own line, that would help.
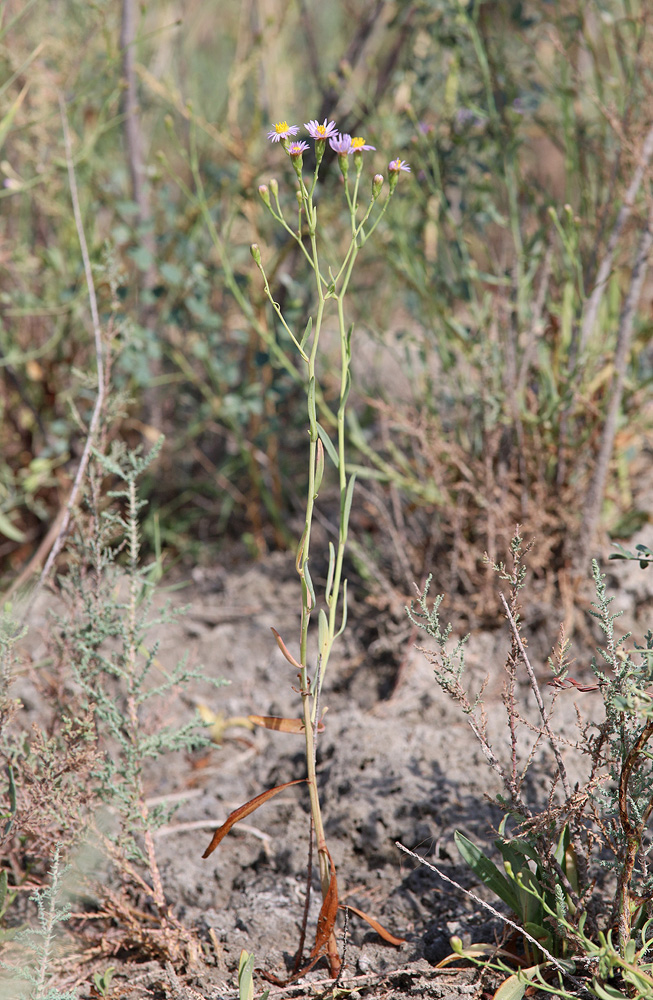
(332, 618)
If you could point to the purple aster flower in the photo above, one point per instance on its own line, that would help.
(323, 131)
(358, 144)
(340, 144)
(281, 130)
(296, 148)
(396, 165)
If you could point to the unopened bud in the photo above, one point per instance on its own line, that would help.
(377, 184)
(255, 252)
(264, 193)
(298, 196)
(274, 188)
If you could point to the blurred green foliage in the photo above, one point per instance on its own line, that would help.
(523, 124)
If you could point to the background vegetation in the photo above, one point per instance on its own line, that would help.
(525, 125)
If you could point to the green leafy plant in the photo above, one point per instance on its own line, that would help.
(331, 283)
(102, 980)
(104, 637)
(38, 943)
(549, 851)
(246, 977)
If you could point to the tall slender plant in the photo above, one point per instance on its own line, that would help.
(331, 286)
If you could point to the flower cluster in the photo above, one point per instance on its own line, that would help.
(341, 143)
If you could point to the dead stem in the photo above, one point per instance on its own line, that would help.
(538, 698)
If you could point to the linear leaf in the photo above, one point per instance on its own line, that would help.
(245, 810)
(307, 332)
(331, 571)
(486, 871)
(309, 586)
(328, 444)
(282, 725)
(284, 649)
(312, 416)
(349, 496)
(374, 924)
(319, 467)
(512, 988)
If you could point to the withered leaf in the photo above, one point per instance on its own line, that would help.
(282, 725)
(245, 810)
(375, 925)
(327, 918)
(286, 652)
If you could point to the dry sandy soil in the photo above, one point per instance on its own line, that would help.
(396, 762)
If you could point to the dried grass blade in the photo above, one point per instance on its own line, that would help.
(374, 924)
(245, 810)
(282, 725)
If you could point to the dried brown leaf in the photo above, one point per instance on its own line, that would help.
(327, 918)
(282, 725)
(245, 810)
(375, 925)
(286, 652)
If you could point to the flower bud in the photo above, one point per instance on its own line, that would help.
(255, 252)
(274, 187)
(264, 193)
(344, 164)
(377, 184)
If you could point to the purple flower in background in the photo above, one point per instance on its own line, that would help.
(396, 165)
(340, 144)
(296, 148)
(466, 117)
(358, 144)
(281, 131)
(323, 131)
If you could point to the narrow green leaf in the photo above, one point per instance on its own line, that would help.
(312, 416)
(486, 871)
(512, 988)
(3, 889)
(332, 569)
(349, 496)
(607, 992)
(8, 120)
(309, 586)
(342, 405)
(348, 341)
(344, 610)
(10, 530)
(328, 444)
(245, 974)
(300, 549)
(322, 632)
(516, 854)
(319, 467)
(307, 332)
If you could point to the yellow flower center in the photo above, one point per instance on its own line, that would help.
(357, 142)
(281, 127)
(321, 130)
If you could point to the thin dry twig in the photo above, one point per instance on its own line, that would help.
(596, 489)
(538, 698)
(99, 361)
(593, 305)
